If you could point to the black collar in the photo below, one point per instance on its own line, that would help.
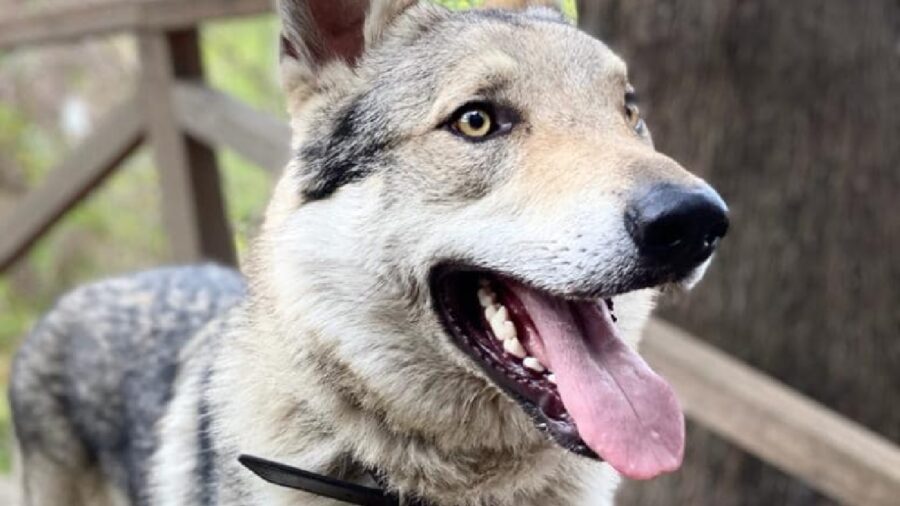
(324, 486)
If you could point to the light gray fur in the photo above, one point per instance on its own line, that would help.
(334, 360)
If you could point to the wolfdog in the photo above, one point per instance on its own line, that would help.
(442, 307)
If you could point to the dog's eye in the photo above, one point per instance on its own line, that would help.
(633, 115)
(478, 121)
(633, 112)
(475, 122)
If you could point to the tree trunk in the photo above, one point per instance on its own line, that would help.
(792, 110)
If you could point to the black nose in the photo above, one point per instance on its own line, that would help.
(677, 227)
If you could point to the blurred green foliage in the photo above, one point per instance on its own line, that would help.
(119, 228)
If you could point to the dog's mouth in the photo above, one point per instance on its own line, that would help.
(564, 361)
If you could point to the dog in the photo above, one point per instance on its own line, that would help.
(443, 303)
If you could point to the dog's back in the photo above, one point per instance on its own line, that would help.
(95, 375)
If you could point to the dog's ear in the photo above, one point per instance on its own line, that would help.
(316, 33)
(521, 4)
(382, 14)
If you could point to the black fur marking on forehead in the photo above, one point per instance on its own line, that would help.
(345, 152)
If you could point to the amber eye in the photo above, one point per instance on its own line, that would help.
(633, 112)
(475, 123)
(633, 115)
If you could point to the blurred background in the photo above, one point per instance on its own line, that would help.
(790, 109)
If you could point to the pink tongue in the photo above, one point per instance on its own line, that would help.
(623, 410)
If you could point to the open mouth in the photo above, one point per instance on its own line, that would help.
(563, 360)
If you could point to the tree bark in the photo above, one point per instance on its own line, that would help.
(791, 110)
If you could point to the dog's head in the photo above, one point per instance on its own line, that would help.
(475, 223)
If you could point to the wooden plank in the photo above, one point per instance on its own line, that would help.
(193, 205)
(8, 492)
(72, 23)
(219, 119)
(836, 456)
(65, 186)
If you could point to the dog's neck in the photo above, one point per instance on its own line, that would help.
(328, 428)
(291, 477)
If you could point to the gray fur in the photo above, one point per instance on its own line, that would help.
(94, 377)
(334, 360)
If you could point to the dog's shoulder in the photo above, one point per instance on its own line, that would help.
(103, 361)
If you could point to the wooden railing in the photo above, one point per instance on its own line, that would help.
(183, 120)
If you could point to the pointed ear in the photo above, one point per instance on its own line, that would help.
(382, 15)
(513, 5)
(316, 33)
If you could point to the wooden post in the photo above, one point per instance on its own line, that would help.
(193, 205)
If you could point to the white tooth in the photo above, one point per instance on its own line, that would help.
(485, 297)
(507, 331)
(514, 348)
(489, 313)
(533, 364)
(551, 378)
(496, 328)
(500, 316)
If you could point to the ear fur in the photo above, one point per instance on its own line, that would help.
(314, 32)
(317, 33)
(382, 15)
